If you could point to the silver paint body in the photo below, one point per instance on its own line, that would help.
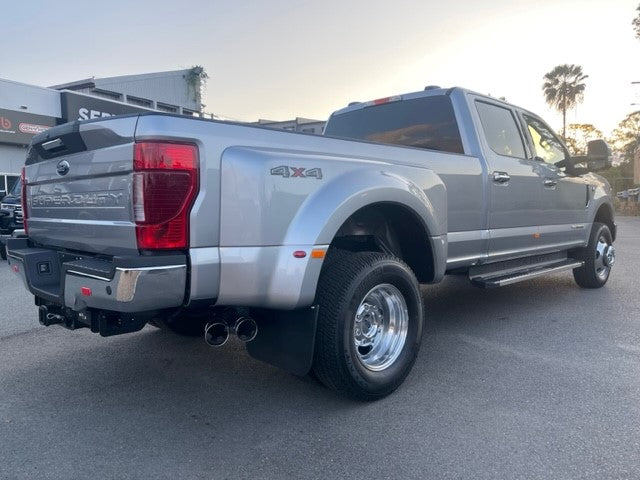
(246, 223)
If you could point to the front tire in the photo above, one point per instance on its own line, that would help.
(598, 257)
(370, 324)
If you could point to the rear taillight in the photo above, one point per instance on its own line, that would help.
(165, 184)
(23, 199)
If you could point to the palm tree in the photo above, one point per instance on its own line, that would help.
(563, 89)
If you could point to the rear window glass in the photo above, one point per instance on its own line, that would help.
(427, 122)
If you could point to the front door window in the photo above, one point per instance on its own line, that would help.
(548, 147)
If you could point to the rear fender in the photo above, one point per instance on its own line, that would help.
(325, 211)
(268, 216)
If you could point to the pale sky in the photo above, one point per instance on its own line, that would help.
(279, 59)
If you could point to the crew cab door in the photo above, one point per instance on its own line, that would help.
(516, 208)
(565, 196)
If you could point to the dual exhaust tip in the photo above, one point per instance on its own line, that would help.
(216, 334)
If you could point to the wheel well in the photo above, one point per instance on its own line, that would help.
(605, 215)
(389, 228)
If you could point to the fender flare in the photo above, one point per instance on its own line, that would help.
(323, 213)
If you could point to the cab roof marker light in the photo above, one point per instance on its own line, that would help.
(381, 101)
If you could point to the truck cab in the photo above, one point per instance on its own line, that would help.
(524, 194)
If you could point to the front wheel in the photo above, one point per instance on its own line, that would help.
(370, 324)
(598, 257)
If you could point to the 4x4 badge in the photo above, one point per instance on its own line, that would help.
(299, 172)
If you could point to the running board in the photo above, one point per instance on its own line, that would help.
(500, 280)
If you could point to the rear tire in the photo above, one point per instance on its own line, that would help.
(370, 324)
(598, 257)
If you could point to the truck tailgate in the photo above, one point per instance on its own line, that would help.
(79, 178)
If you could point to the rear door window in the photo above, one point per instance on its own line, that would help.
(427, 122)
(500, 130)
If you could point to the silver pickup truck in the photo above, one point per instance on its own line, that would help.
(310, 249)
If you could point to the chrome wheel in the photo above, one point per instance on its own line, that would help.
(605, 257)
(380, 327)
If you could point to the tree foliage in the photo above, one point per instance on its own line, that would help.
(624, 141)
(626, 137)
(578, 135)
(636, 23)
(563, 89)
(196, 78)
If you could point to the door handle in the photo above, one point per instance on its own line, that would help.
(501, 177)
(549, 182)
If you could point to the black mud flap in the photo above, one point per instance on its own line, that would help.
(285, 339)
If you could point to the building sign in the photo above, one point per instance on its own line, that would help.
(19, 127)
(83, 107)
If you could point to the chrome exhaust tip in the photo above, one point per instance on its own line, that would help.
(246, 329)
(216, 334)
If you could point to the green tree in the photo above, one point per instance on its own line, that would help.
(578, 135)
(196, 78)
(626, 137)
(636, 23)
(624, 141)
(563, 89)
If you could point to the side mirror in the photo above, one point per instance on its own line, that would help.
(598, 155)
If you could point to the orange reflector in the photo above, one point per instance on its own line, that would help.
(536, 235)
(318, 253)
(299, 254)
(86, 291)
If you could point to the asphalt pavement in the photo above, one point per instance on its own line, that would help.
(536, 380)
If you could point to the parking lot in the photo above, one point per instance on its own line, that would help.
(536, 380)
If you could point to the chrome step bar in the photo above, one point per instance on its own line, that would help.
(500, 280)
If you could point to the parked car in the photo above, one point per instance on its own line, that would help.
(10, 216)
(309, 248)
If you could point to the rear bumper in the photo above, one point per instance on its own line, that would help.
(265, 277)
(122, 284)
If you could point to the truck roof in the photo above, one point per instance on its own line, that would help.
(427, 92)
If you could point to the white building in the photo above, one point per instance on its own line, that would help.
(26, 110)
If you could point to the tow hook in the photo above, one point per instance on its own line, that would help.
(47, 319)
(48, 316)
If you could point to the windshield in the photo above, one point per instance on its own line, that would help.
(15, 190)
(427, 122)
